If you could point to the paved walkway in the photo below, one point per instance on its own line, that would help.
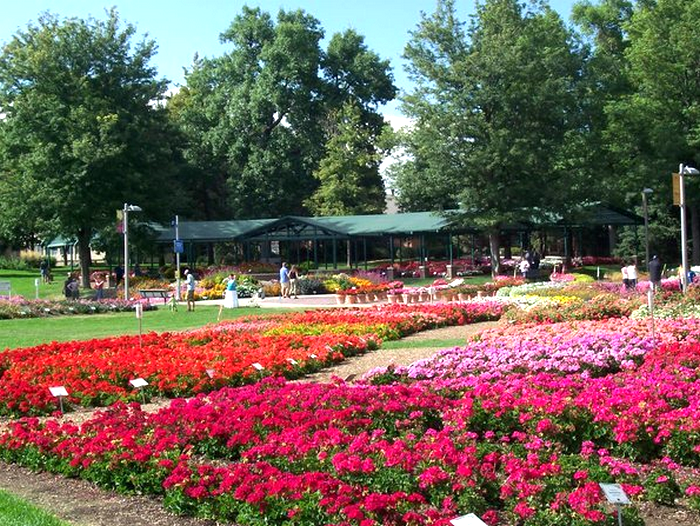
(310, 301)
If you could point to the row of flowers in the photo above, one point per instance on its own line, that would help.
(18, 307)
(522, 447)
(97, 372)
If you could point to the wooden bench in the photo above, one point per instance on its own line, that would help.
(149, 294)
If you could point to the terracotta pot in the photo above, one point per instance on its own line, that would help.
(350, 299)
(340, 299)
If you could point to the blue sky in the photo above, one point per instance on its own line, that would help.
(185, 27)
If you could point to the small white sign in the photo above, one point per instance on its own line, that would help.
(313, 356)
(211, 373)
(139, 310)
(258, 366)
(292, 361)
(468, 520)
(58, 391)
(614, 493)
(138, 382)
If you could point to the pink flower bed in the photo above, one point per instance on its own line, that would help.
(588, 347)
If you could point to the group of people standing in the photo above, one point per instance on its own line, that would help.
(289, 279)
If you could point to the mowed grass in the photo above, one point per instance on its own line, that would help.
(17, 512)
(447, 343)
(34, 331)
(22, 283)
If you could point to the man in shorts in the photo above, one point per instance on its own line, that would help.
(285, 284)
(190, 282)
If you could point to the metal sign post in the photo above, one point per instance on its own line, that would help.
(139, 316)
(178, 250)
(615, 495)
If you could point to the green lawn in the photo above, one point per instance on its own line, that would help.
(22, 283)
(17, 512)
(424, 344)
(28, 332)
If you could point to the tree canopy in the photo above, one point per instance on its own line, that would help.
(258, 118)
(80, 134)
(494, 107)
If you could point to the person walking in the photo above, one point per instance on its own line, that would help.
(625, 279)
(230, 295)
(655, 272)
(294, 281)
(44, 271)
(284, 280)
(190, 283)
(632, 275)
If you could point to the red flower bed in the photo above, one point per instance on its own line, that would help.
(97, 372)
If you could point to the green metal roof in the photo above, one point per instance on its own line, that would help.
(345, 227)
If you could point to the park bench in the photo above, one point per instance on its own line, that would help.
(149, 294)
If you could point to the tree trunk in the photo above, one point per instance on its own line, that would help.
(695, 234)
(84, 239)
(495, 249)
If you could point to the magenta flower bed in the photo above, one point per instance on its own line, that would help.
(587, 347)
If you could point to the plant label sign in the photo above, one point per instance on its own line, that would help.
(292, 361)
(614, 494)
(468, 520)
(138, 382)
(139, 311)
(211, 373)
(58, 391)
(257, 366)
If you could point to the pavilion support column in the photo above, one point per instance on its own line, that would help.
(298, 246)
(364, 251)
(335, 254)
(391, 249)
(449, 249)
(348, 245)
(612, 238)
(315, 253)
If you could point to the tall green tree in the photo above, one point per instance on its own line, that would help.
(348, 175)
(655, 124)
(257, 118)
(81, 134)
(495, 109)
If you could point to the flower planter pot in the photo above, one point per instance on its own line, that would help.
(339, 299)
(350, 299)
(462, 297)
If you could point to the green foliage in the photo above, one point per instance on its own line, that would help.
(257, 119)
(81, 134)
(349, 180)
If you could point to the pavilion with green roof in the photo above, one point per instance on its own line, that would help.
(378, 236)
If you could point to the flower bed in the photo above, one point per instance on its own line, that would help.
(18, 307)
(590, 347)
(524, 448)
(97, 372)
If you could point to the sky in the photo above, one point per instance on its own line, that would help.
(182, 28)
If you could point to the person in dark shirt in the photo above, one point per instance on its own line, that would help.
(655, 271)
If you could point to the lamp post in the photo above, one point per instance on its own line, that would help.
(127, 208)
(645, 193)
(684, 170)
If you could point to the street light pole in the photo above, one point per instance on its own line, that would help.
(684, 170)
(646, 192)
(127, 208)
